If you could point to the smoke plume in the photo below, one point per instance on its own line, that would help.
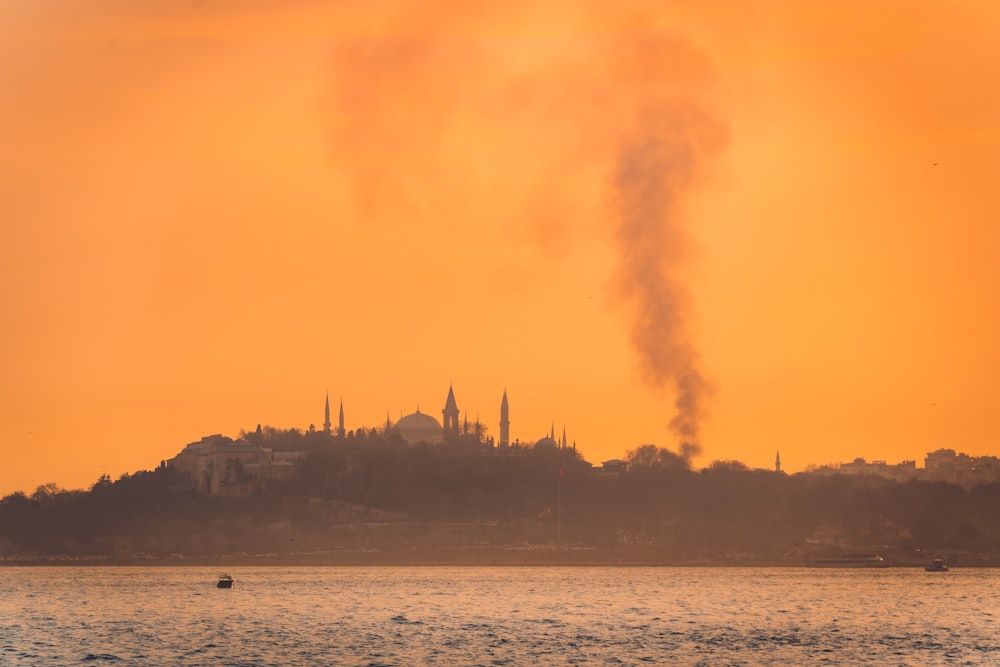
(503, 115)
(655, 173)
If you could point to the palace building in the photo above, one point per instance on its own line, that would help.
(220, 466)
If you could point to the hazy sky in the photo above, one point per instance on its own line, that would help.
(781, 216)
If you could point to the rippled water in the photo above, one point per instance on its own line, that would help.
(496, 616)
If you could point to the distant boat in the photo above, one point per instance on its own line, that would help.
(225, 581)
(937, 565)
(853, 560)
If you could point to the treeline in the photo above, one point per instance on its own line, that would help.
(729, 508)
(523, 494)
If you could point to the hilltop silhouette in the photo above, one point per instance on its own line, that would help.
(372, 497)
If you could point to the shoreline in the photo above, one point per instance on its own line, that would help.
(491, 558)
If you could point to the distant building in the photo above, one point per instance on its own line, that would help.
(220, 466)
(283, 465)
(861, 467)
(942, 465)
(614, 466)
(945, 465)
(421, 427)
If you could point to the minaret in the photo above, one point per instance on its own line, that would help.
(340, 423)
(504, 421)
(450, 413)
(777, 462)
(564, 437)
(326, 415)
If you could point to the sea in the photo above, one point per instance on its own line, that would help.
(452, 616)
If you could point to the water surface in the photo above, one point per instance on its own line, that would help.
(496, 616)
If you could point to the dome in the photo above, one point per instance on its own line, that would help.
(418, 427)
(546, 443)
(418, 420)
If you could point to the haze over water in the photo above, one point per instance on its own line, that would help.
(494, 616)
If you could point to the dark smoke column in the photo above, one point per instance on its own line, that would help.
(655, 173)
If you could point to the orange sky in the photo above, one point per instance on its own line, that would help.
(211, 213)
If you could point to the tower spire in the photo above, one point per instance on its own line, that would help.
(504, 421)
(777, 462)
(450, 414)
(340, 423)
(326, 415)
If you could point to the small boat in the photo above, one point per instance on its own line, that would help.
(937, 565)
(225, 581)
